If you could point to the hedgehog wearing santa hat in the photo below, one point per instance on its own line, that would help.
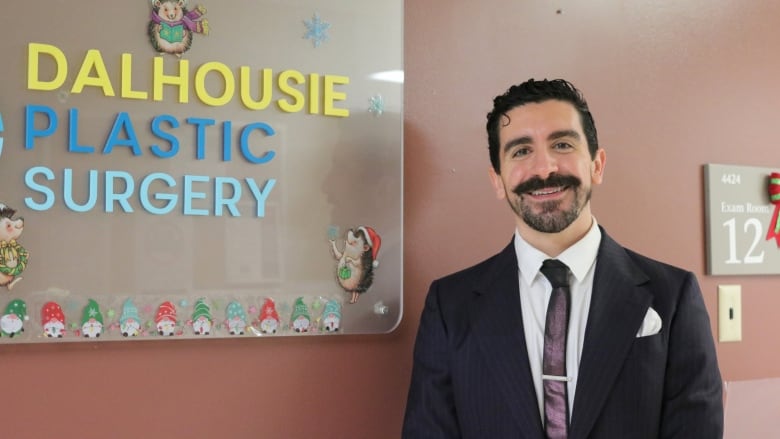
(356, 263)
(165, 319)
(53, 320)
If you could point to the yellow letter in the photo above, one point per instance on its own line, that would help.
(33, 52)
(93, 59)
(294, 93)
(331, 95)
(161, 79)
(127, 79)
(265, 89)
(314, 93)
(200, 86)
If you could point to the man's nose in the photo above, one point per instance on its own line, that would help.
(545, 163)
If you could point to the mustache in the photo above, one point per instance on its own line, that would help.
(552, 180)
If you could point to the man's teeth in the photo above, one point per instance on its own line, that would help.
(546, 191)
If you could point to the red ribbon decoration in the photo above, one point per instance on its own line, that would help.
(774, 197)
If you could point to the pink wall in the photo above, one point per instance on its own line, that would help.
(673, 85)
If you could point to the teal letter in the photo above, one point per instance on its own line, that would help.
(29, 180)
(260, 196)
(112, 196)
(219, 195)
(189, 194)
(67, 191)
(143, 194)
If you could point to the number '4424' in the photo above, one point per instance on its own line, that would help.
(731, 179)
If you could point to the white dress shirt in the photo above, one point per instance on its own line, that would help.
(535, 291)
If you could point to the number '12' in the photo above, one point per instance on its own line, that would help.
(750, 257)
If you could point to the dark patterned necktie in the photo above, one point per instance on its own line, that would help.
(556, 402)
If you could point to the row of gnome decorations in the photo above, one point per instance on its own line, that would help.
(166, 322)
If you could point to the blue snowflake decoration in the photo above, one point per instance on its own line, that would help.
(316, 30)
(376, 105)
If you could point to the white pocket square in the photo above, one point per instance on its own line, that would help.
(651, 325)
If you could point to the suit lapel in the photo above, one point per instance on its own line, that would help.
(497, 323)
(617, 308)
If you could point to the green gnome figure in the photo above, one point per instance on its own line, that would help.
(300, 320)
(129, 321)
(12, 321)
(331, 316)
(201, 318)
(236, 318)
(91, 320)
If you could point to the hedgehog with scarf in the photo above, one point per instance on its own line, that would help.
(171, 25)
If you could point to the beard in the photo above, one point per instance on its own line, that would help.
(551, 219)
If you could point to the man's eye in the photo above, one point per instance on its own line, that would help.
(520, 152)
(562, 145)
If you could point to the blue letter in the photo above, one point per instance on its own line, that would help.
(174, 149)
(143, 194)
(112, 196)
(122, 121)
(29, 124)
(260, 196)
(200, 133)
(264, 127)
(29, 180)
(67, 191)
(189, 194)
(227, 140)
(73, 134)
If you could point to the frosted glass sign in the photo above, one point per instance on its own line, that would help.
(200, 170)
(743, 232)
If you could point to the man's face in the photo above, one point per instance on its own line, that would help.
(546, 169)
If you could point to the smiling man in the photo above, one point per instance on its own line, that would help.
(564, 334)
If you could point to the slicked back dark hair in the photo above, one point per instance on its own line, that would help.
(533, 91)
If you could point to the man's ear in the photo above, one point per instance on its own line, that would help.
(498, 183)
(597, 168)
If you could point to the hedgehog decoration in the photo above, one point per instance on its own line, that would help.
(13, 257)
(356, 263)
(171, 26)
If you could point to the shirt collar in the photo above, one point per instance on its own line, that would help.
(579, 257)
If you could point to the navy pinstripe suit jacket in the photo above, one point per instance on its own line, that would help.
(471, 376)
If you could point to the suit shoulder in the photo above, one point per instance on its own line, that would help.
(471, 275)
(656, 269)
(639, 265)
